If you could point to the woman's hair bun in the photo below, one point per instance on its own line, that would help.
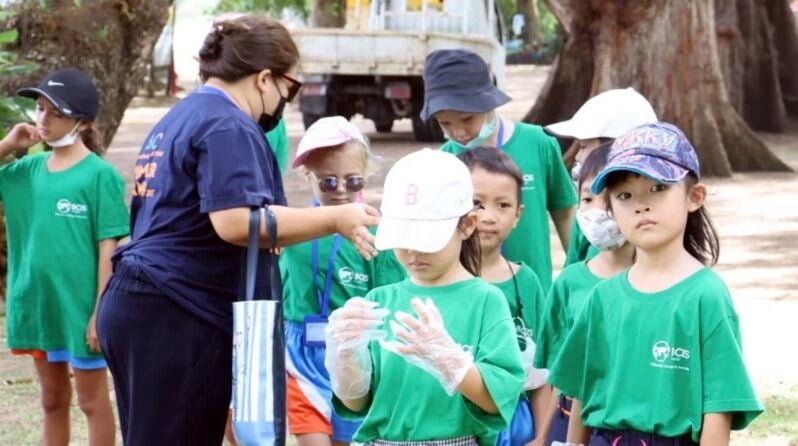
(212, 46)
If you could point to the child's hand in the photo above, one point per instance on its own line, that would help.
(352, 221)
(91, 334)
(429, 346)
(20, 137)
(347, 359)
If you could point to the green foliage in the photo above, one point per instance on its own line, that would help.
(273, 7)
(13, 109)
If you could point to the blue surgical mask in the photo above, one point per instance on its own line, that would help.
(485, 132)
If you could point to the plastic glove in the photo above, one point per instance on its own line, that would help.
(429, 346)
(348, 333)
(535, 378)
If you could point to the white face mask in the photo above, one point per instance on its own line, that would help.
(66, 140)
(600, 229)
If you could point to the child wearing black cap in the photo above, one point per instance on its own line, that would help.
(459, 93)
(65, 212)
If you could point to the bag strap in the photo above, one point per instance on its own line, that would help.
(253, 247)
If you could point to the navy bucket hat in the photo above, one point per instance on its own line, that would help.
(659, 151)
(458, 80)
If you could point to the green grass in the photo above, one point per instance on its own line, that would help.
(780, 419)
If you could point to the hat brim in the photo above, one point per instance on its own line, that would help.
(573, 129)
(34, 93)
(471, 102)
(670, 175)
(327, 143)
(417, 235)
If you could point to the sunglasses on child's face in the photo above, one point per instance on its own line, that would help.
(351, 184)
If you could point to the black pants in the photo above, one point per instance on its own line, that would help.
(172, 371)
(602, 437)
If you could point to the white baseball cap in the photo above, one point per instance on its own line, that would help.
(327, 132)
(425, 194)
(607, 115)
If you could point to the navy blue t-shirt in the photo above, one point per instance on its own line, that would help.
(205, 155)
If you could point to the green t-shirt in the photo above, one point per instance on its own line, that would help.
(409, 404)
(547, 187)
(579, 248)
(566, 297)
(532, 297)
(657, 362)
(54, 222)
(354, 276)
(278, 141)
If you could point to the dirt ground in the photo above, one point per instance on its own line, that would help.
(759, 255)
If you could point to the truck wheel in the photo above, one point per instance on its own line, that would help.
(427, 132)
(309, 118)
(384, 126)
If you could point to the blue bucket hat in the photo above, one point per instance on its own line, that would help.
(659, 151)
(458, 80)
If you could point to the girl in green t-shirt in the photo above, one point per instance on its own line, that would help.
(498, 187)
(453, 373)
(64, 213)
(654, 356)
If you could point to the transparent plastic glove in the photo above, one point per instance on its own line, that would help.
(427, 345)
(348, 333)
(534, 377)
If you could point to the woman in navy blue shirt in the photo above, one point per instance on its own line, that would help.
(165, 322)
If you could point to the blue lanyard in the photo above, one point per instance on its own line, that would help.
(500, 136)
(323, 295)
(205, 89)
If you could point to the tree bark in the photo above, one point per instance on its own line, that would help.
(329, 13)
(111, 40)
(785, 38)
(667, 50)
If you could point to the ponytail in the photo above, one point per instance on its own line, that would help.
(700, 237)
(91, 139)
(470, 251)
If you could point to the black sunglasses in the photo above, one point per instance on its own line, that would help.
(351, 184)
(294, 87)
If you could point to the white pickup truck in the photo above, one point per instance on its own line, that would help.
(374, 66)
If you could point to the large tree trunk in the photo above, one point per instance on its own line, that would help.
(785, 38)
(667, 50)
(110, 40)
(329, 13)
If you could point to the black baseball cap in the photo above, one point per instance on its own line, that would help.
(459, 80)
(70, 91)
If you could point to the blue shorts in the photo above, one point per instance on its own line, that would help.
(558, 429)
(94, 363)
(309, 391)
(522, 427)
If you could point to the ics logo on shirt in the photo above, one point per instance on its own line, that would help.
(66, 208)
(529, 181)
(666, 356)
(347, 275)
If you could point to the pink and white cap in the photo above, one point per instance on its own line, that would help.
(327, 132)
(425, 194)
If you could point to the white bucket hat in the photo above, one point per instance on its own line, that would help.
(425, 194)
(607, 115)
(327, 132)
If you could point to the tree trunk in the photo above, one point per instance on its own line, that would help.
(785, 38)
(529, 9)
(667, 50)
(329, 13)
(111, 40)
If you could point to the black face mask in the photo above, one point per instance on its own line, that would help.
(268, 122)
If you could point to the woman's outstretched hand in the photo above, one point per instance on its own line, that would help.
(352, 221)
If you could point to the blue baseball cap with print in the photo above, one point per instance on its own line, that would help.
(459, 80)
(70, 91)
(659, 151)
